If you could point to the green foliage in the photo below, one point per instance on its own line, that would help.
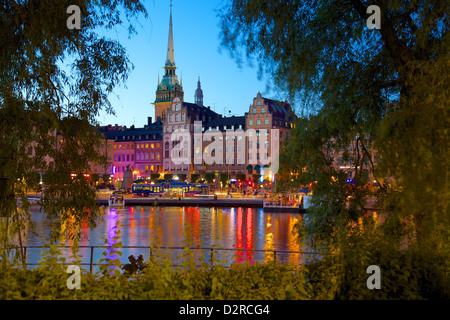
(154, 176)
(241, 176)
(387, 92)
(168, 176)
(95, 177)
(224, 177)
(195, 177)
(53, 83)
(210, 176)
(158, 279)
(182, 176)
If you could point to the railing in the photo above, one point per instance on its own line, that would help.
(212, 252)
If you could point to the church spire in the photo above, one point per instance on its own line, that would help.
(169, 87)
(170, 60)
(199, 94)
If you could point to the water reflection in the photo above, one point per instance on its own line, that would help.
(237, 228)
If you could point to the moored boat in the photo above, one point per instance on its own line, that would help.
(289, 203)
(116, 200)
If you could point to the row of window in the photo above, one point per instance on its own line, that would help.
(138, 146)
(185, 167)
(223, 127)
(148, 168)
(258, 122)
(141, 168)
(176, 118)
(140, 156)
(174, 128)
(263, 109)
(266, 144)
(277, 123)
(123, 157)
(146, 146)
(137, 137)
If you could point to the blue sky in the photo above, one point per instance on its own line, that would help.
(226, 86)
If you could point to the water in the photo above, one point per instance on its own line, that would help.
(231, 228)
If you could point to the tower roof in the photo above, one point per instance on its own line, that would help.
(169, 87)
(170, 59)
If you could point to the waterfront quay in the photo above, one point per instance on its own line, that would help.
(202, 201)
(188, 202)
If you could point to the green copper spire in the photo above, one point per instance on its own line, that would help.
(169, 87)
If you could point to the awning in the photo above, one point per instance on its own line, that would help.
(266, 166)
(257, 167)
(249, 167)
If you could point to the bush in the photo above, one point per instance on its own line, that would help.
(154, 176)
(195, 177)
(156, 280)
(405, 274)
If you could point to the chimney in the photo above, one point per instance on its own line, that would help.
(149, 120)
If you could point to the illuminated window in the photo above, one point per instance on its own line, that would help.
(152, 145)
(137, 146)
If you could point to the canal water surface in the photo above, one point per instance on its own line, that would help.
(238, 229)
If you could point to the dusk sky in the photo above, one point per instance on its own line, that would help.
(226, 86)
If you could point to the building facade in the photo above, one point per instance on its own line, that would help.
(138, 148)
(178, 127)
(268, 123)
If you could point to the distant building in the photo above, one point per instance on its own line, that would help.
(140, 148)
(180, 119)
(223, 146)
(198, 98)
(267, 122)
